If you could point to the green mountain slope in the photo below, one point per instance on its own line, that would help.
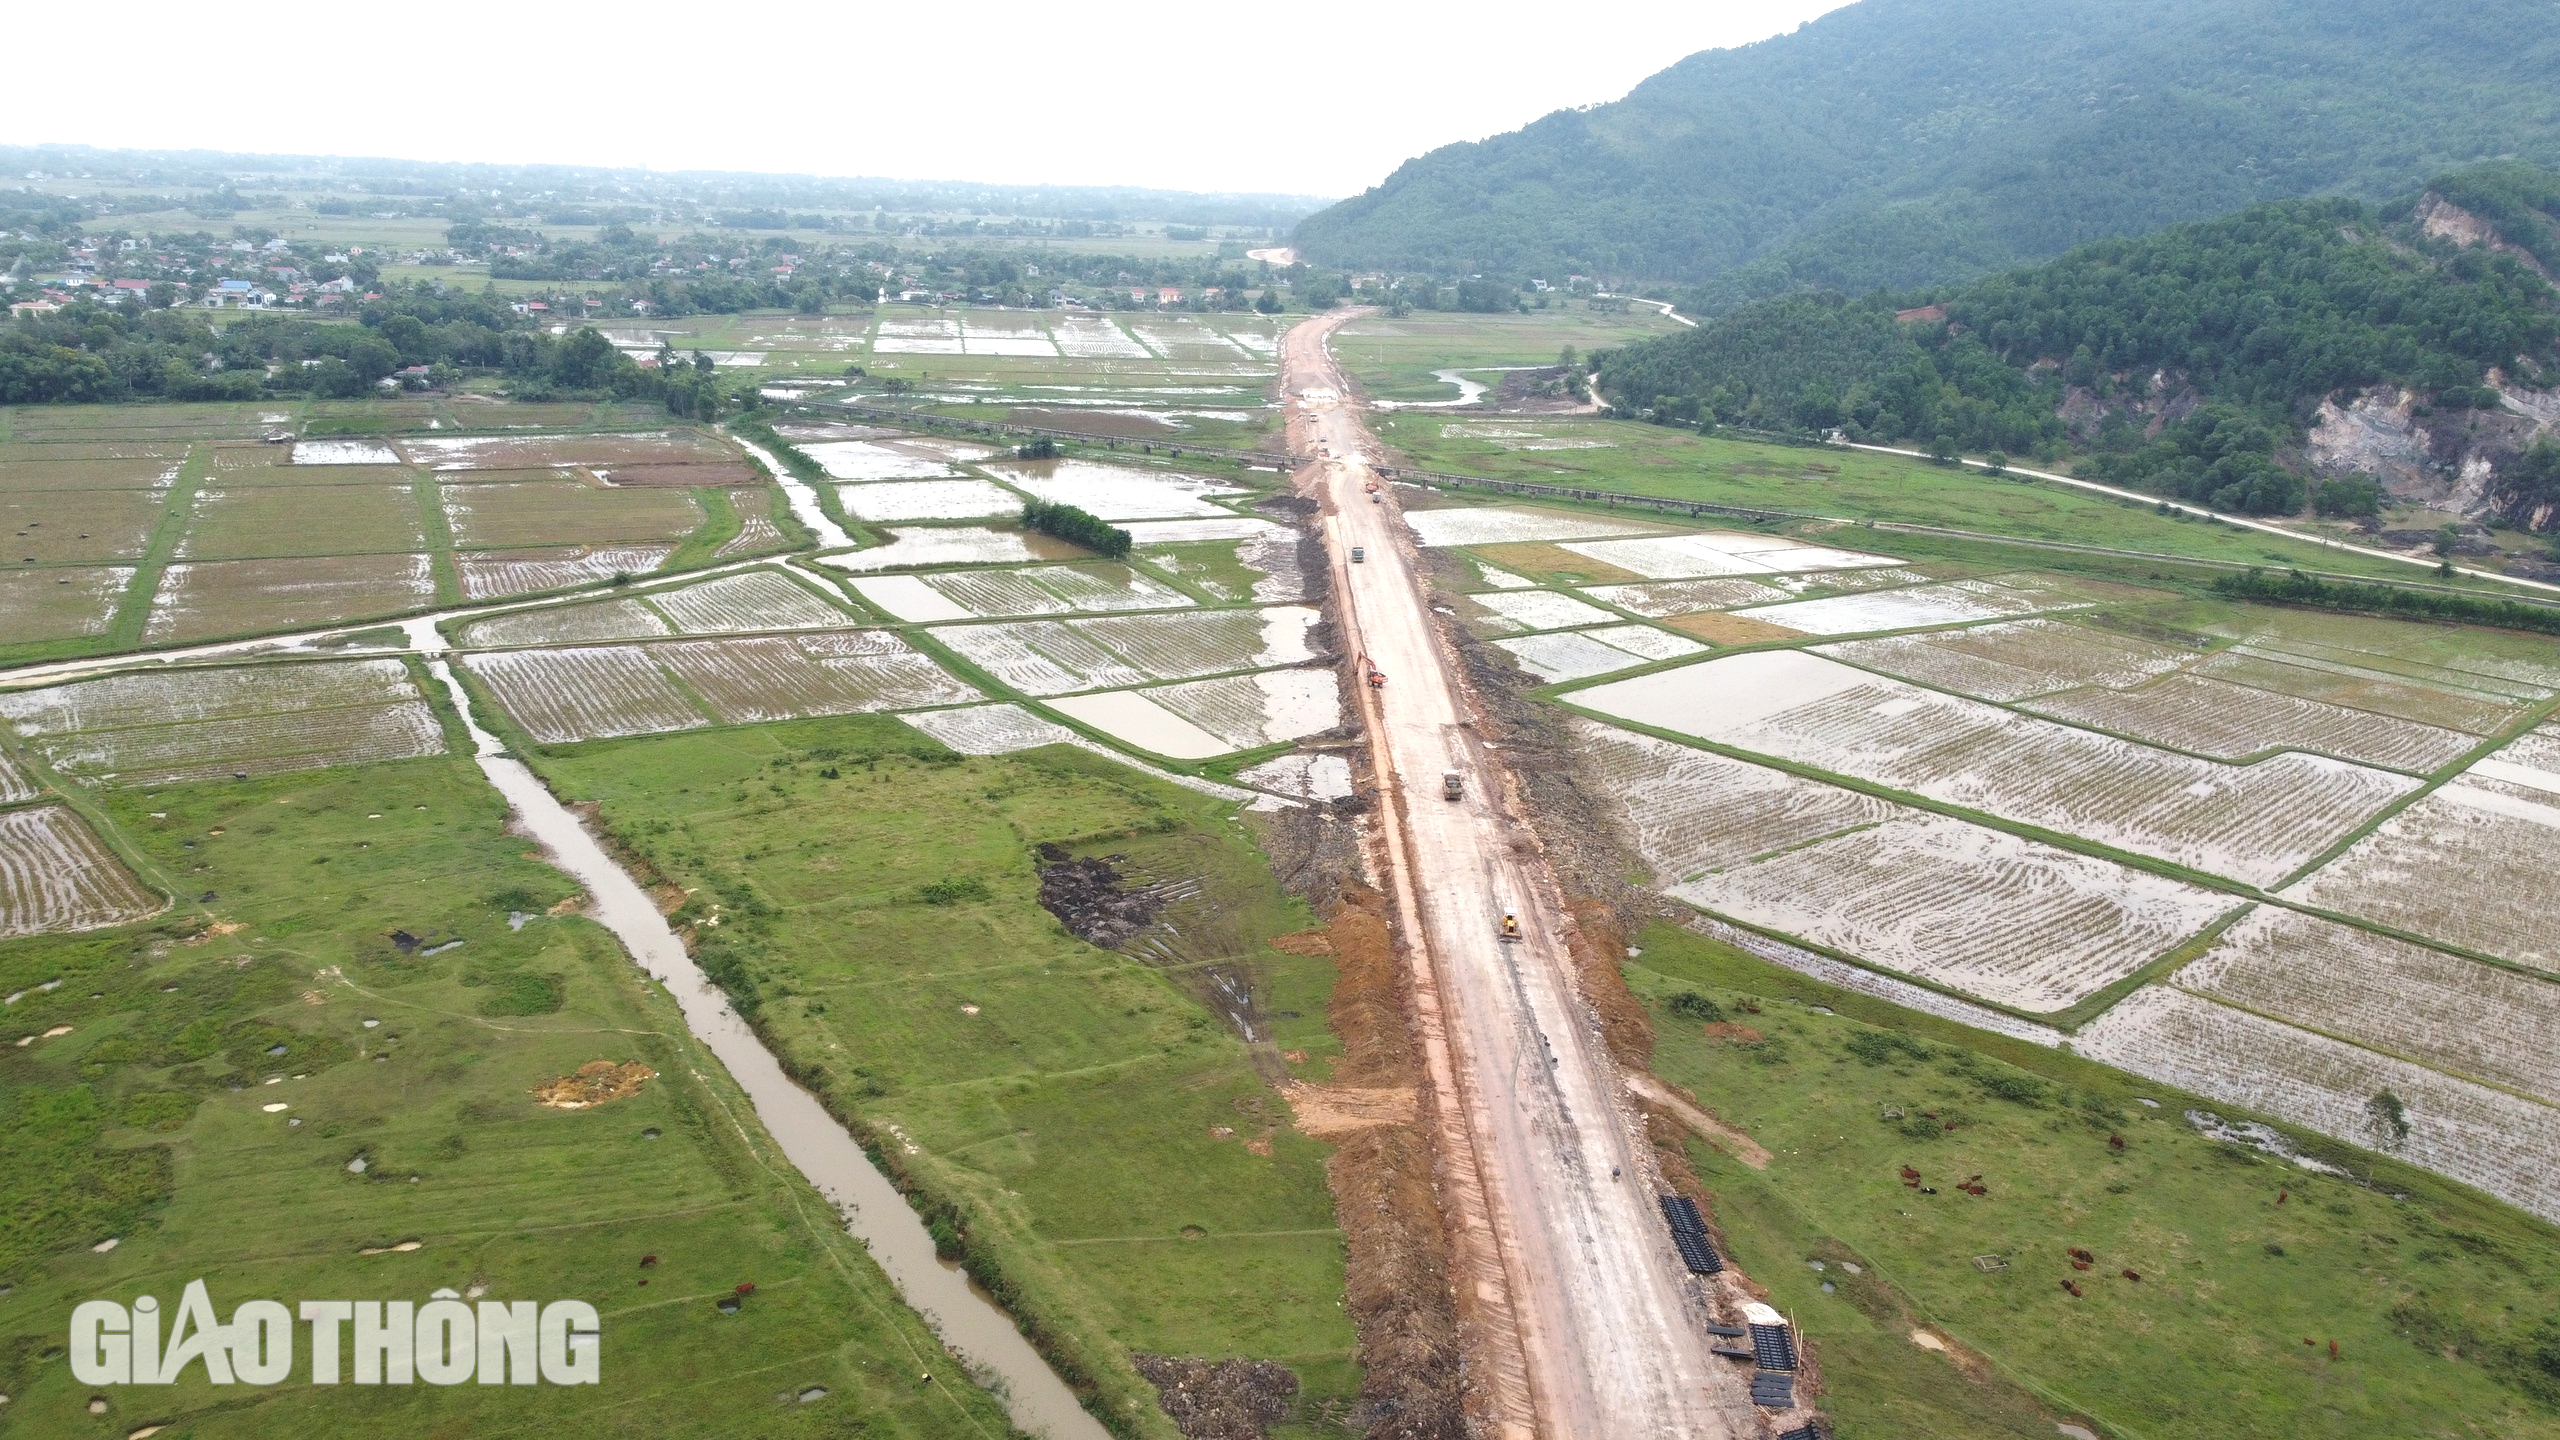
(1903, 142)
(2185, 360)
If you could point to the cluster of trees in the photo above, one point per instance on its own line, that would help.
(1926, 141)
(1076, 527)
(2256, 316)
(97, 353)
(2295, 588)
(1819, 362)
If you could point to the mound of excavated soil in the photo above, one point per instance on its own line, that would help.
(1224, 1400)
(597, 1082)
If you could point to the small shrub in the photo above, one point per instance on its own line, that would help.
(1692, 1005)
(951, 890)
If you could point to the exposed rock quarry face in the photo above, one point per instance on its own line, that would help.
(2443, 220)
(2377, 433)
(2449, 461)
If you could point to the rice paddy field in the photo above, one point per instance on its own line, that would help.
(2287, 860)
(187, 817)
(175, 524)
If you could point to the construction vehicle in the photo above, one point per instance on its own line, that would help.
(1376, 678)
(1359, 553)
(1510, 926)
(1452, 786)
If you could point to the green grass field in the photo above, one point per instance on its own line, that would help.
(1111, 1151)
(149, 1123)
(2440, 1301)
(1640, 459)
(1393, 357)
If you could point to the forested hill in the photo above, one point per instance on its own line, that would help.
(1904, 142)
(2189, 361)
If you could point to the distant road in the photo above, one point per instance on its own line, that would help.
(1582, 1322)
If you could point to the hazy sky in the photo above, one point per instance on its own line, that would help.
(1321, 99)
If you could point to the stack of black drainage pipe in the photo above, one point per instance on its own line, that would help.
(1689, 1232)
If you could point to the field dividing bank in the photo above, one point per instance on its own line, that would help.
(387, 1056)
(1803, 482)
(177, 509)
(873, 903)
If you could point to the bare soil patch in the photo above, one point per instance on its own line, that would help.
(598, 1082)
(720, 475)
(1219, 1400)
(1544, 561)
(1717, 628)
(1384, 1195)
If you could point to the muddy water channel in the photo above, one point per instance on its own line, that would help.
(982, 1335)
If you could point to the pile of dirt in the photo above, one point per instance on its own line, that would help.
(1220, 1400)
(597, 1082)
(1384, 1192)
(1088, 894)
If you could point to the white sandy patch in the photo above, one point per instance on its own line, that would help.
(1496, 578)
(1308, 777)
(1646, 641)
(2015, 660)
(1251, 710)
(1722, 552)
(1093, 337)
(996, 592)
(906, 597)
(1568, 656)
(1683, 597)
(1183, 532)
(344, 452)
(1541, 609)
(2256, 822)
(625, 619)
(1726, 695)
(488, 577)
(2004, 918)
(2465, 865)
(871, 460)
(998, 729)
(2499, 1143)
(1504, 524)
(755, 600)
(1041, 657)
(1956, 602)
(1114, 492)
(927, 500)
(2454, 1014)
(1108, 588)
(55, 875)
(947, 545)
(1129, 716)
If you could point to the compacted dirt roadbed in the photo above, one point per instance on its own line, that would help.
(1579, 1319)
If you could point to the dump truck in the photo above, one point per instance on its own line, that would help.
(1510, 926)
(1452, 787)
(1359, 553)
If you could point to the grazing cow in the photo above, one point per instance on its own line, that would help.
(2133, 1276)
(2071, 1286)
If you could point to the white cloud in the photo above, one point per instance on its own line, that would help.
(1322, 99)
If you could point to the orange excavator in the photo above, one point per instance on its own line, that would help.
(1369, 671)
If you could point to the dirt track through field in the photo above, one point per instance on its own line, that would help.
(1576, 1315)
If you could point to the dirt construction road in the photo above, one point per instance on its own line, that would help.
(1578, 1318)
